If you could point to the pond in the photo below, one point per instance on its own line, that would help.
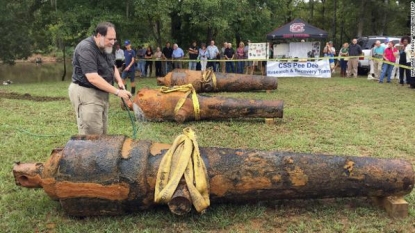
(27, 72)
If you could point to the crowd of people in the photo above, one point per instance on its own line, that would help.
(383, 63)
(226, 59)
(348, 57)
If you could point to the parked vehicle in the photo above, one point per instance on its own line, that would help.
(367, 43)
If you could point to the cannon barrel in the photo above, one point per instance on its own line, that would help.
(224, 82)
(113, 175)
(153, 105)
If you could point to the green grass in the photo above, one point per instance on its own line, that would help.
(328, 116)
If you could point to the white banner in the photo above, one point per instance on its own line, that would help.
(316, 69)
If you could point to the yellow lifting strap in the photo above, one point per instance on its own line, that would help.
(188, 88)
(208, 75)
(183, 158)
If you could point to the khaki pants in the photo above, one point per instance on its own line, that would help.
(91, 108)
(352, 67)
(377, 67)
(223, 66)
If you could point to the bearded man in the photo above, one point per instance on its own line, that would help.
(94, 72)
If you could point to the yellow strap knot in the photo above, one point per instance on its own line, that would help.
(188, 88)
(183, 158)
(207, 76)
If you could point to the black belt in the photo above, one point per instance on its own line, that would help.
(81, 84)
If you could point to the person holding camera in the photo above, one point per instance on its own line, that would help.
(330, 51)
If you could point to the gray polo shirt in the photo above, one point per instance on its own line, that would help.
(88, 58)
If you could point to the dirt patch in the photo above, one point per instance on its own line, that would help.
(27, 96)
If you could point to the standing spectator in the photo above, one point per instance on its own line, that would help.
(405, 59)
(213, 52)
(240, 55)
(193, 54)
(264, 62)
(248, 64)
(385, 43)
(343, 54)
(371, 73)
(330, 51)
(217, 63)
(377, 55)
(119, 57)
(93, 76)
(203, 54)
(167, 52)
(389, 56)
(222, 57)
(178, 54)
(141, 52)
(354, 50)
(158, 55)
(229, 55)
(395, 69)
(129, 71)
(149, 63)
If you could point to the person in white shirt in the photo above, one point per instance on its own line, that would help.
(213, 52)
(395, 69)
(119, 57)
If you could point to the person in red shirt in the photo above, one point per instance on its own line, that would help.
(389, 58)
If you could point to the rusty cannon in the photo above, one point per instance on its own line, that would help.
(114, 175)
(209, 81)
(183, 105)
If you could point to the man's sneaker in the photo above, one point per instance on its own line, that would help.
(370, 77)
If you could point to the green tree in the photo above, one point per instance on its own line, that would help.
(15, 28)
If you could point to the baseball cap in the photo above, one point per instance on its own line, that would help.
(127, 42)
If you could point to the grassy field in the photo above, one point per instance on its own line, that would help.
(329, 116)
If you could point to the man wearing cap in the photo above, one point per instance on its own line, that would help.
(129, 71)
(93, 77)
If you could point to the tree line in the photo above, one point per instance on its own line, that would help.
(31, 26)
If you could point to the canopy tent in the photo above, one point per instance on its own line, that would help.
(297, 29)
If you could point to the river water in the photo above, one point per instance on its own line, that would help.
(28, 72)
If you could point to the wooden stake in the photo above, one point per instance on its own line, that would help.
(269, 121)
(396, 207)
